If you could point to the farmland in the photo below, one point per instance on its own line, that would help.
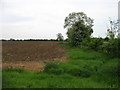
(31, 55)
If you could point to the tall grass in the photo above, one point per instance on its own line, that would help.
(85, 69)
(14, 79)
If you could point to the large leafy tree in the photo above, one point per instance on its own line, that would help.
(79, 27)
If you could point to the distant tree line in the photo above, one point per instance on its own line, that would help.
(30, 40)
(58, 39)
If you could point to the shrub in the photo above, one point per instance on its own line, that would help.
(86, 42)
(106, 39)
(74, 71)
(87, 71)
(62, 68)
(93, 43)
(112, 47)
(53, 68)
(109, 72)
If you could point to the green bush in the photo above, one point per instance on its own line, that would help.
(109, 73)
(87, 71)
(53, 68)
(74, 71)
(111, 70)
(112, 47)
(62, 68)
(79, 71)
(86, 42)
(93, 43)
(96, 43)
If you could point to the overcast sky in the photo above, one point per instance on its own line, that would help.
(23, 19)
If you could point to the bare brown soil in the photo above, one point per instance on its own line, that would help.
(31, 55)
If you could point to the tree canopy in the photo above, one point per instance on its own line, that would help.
(60, 37)
(72, 18)
(79, 27)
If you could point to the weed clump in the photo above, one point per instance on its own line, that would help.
(62, 68)
(53, 68)
(14, 70)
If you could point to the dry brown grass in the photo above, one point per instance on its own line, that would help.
(31, 55)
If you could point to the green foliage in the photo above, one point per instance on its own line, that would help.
(61, 68)
(78, 33)
(111, 34)
(53, 68)
(111, 31)
(15, 69)
(96, 43)
(108, 73)
(60, 37)
(93, 43)
(112, 47)
(78, 71)
(87, 71)
(74, 17)
(106, 39)
(109, 46)
(79, 27)
(80, 54)
(110, 68)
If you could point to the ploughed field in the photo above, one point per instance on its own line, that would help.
(31, 55)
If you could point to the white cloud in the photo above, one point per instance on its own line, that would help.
(45, 18)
